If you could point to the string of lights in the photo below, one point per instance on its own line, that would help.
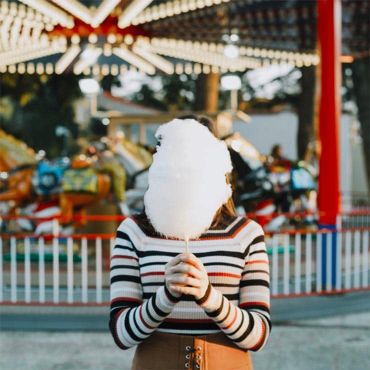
(141, 33)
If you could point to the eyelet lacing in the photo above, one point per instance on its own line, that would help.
(193, 357)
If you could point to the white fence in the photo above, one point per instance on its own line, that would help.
(75, 270)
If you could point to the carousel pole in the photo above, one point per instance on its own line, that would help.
(329, 40)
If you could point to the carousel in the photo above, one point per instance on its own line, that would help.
(211, 38)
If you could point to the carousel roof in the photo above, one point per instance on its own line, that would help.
(175, 36)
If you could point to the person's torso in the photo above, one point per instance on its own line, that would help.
(222, 253)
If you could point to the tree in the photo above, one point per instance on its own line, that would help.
(39, 105)
(361, 89)
(306, 110)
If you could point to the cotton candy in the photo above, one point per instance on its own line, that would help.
(187, 182)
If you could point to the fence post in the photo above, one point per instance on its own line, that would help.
(329, 249)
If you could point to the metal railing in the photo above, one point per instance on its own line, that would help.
(75, 269)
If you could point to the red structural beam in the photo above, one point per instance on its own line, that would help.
(109, 26)
(329, 39)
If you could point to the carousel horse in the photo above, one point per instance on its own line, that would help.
(266, 190)
(17, 163)
(84, 183)
(90, 179)
(82, 186)
(136, 159)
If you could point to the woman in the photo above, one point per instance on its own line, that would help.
(201, 310)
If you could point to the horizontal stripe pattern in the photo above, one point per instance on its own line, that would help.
(238, 302)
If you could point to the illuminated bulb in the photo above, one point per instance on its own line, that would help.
(30, 68)
(12, 69)
(40, 68)
(212, 47)
(21, 11)
(231, 82)
(128, 40)
(13, 9)
(93, 38)
(75, 39)
(206, 69)
(63, 43)
(234, 37)
(95, 70)
(188, 68)
(169, 9)
(21, 68)
(316, 60)
(179, 69)
(155, 13)
(111, 38)
(4, 7)
(89, 86)
(231, 51)
(184, 7)
(197, 68)
(257, 52)
(220, 48)
(107, 50)
(177, 7)
(114, 70)
(200, 4)
(299, 63)
(49, 68)
(162, 10)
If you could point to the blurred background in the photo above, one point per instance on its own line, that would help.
(85, 84)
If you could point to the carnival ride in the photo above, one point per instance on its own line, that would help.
(270, 192)
(65, 186)
(116, 170)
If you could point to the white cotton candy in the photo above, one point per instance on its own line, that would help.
(187, 182)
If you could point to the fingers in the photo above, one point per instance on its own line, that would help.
(186, 268)
(174, 261)
(186, 290)
(182, 279)
(185, 257)
(191, 259)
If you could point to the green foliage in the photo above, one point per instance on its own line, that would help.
(39, 105)
(177, 93)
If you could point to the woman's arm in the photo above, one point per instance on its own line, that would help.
(247, 325)
(132, 320)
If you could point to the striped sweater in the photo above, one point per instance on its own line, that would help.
(239, 295)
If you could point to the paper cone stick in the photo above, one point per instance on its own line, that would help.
(187, 245)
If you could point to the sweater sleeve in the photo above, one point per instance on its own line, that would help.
(133, 319)
(248, 325)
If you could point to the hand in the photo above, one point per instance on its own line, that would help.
(171, 277)
(189, 276)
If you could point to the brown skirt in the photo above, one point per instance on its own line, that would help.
(162, 351)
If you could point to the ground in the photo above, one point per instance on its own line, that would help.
(336, 343)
